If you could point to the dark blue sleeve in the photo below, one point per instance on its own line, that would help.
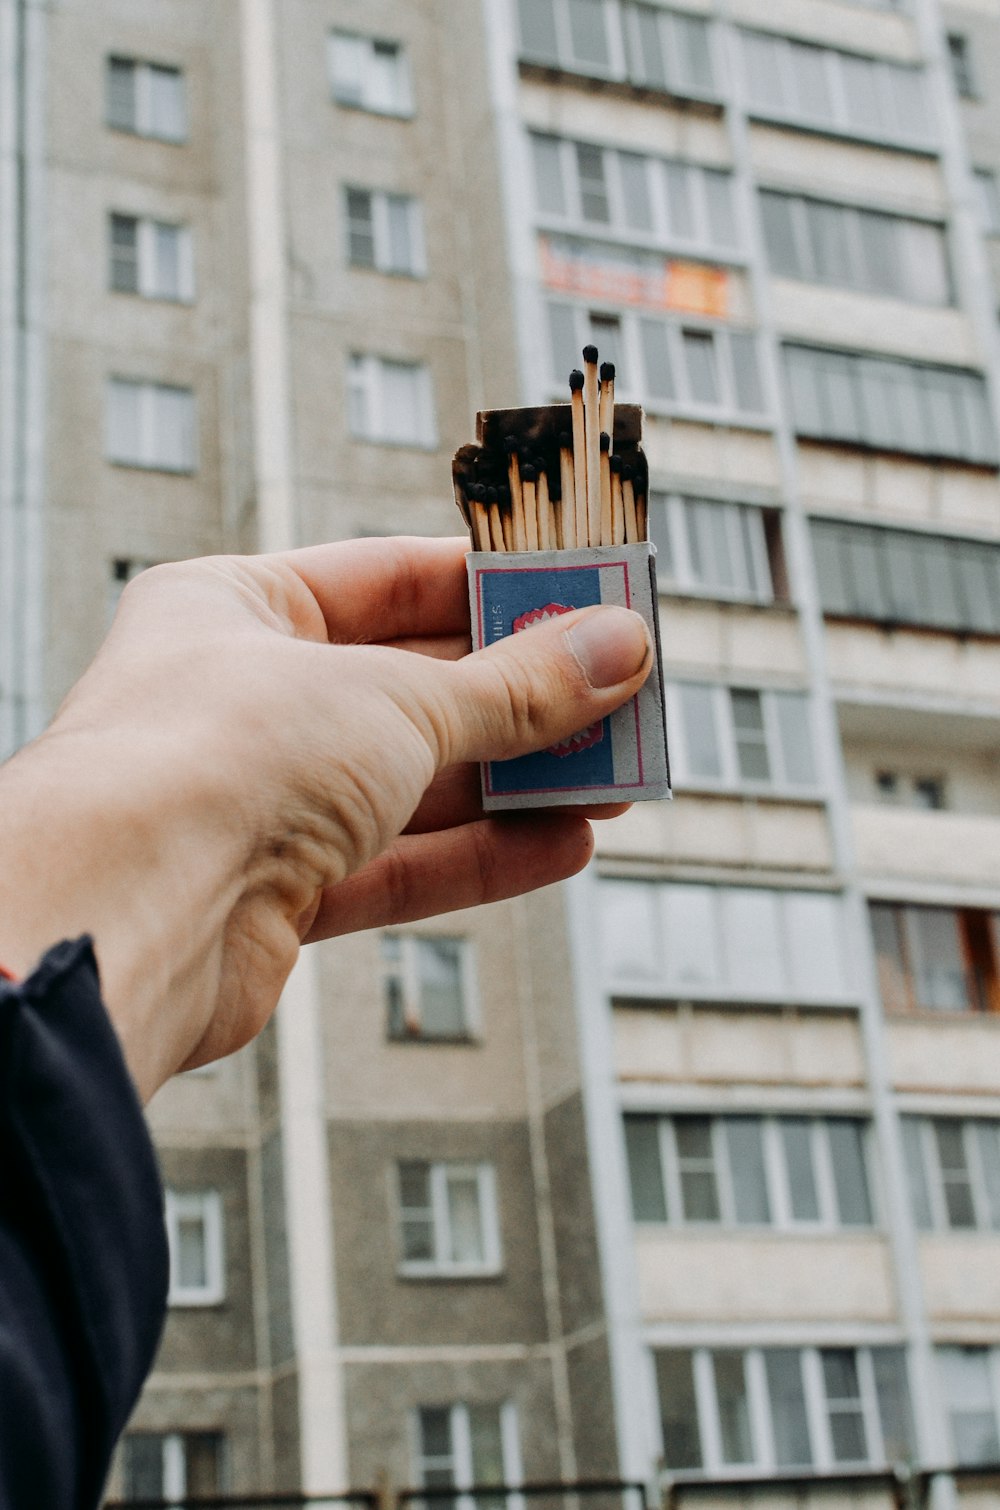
(83, 1254)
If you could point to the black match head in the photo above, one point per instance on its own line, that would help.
(605, 441)
(503, 495)
(616, 464)
(590, 353)
(565, 441)
(480, 492)
(510, 444)
(491, 495)
(628, 471)
(607, 372)
(555, 490)
(529, 473)
(576, 381)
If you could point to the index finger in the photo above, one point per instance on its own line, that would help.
(384, 589)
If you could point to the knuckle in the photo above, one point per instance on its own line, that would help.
(528, 700)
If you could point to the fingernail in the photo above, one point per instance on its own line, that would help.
(610, 645)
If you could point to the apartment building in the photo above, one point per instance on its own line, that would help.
(688, 1171)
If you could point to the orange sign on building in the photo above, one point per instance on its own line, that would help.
(687, 287)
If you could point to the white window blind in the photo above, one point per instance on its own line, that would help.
(841, 92)
(391, 402)
(370, 73)
(150, 425)
(448, 1219)
(195, 1237)
(729, 943)
(148, 99)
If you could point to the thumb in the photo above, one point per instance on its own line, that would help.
(540, 686)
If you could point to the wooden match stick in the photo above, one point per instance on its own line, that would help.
(632, 536)
(514, 479)
(592, 425)
(546, 537)
(568, 486)
(576, 381)
(605, 490)
(642, 515)
(497, 542)
(608, 401)
(556, 514)
(479, 509)
(529, 479)
(617, 503)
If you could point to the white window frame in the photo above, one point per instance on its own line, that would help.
(365, 379)
(759, 1411)
(146, 233)
(380, 200)
(993, 1373)
(661, 237)
(841, 123)
(440, 1265)
(680, 577)
(147, 455)
(776, 1177)
(367, 45)
(207, 1205)
(631, 386)
(655, 983)
(987, 190)
(460, 1458)
(778, 785)
(143, 121)
(407, 972)
(621, 39)
(934, 1179)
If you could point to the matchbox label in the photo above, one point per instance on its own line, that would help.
(618, 757)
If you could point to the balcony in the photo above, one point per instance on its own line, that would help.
(946, 847)
(952, 674)
(961, 1277)
(730, 830)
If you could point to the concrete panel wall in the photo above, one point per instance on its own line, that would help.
(836, 25)
(923, 663)
(732, 641)
(718, 453)
(961, 1275)
(590, 116)
(960, 1054)
(946, 847)
(897, 490)
(733, 831)
(859, 174)
(841, 317)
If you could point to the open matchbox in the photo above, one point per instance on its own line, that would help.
(622, 758)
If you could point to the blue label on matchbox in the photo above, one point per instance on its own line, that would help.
(607, 757)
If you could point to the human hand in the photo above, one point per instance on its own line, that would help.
(275, 749)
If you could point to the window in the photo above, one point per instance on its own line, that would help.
(391, 402)
(448, 1220)
(890, 405)
(739, 737)
(465, 1446)
(772, 1409)
(901, 577)
(123, 570)
(953, 1170)
(730, 943)
(173, 1465)
(961, 65)
(150, 425)
(723, 550)
(428, 986)
(593, 188)
(856, 248)
(968, 1378)
(988, 198)
(936, 959)
(646, 44)
(368, 73)
(706, 371)
(896, 789)
(785, 1172)
(194, 1233)
(841, 92)
(148, 99)
(384, 232)
(151, 258)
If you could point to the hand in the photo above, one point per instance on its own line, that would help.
(275, 749)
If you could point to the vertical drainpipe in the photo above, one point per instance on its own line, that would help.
(932, 1446)
(308, 1205)
(22, 370)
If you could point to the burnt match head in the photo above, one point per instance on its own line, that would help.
(616, 464)
(480, 492)
(503, 495)
(628, 471)
(605, 441)
(576, 381)
(565, 441)
(607, 372)
(511, 444)
(590, 354)
(491, 495)
(529, 473)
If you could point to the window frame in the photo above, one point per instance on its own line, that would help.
(146, 229)
(143, 120)
(678, 576)
(405, 108)
(461, 1455)
(778, 1186)
(623, 46)
(180, 1205)
(379, 205)
(407, 972)
(731, 780)
(992, 1359)
(933, 1175)
(439, 1266)
(148, 456)
(365, 377)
